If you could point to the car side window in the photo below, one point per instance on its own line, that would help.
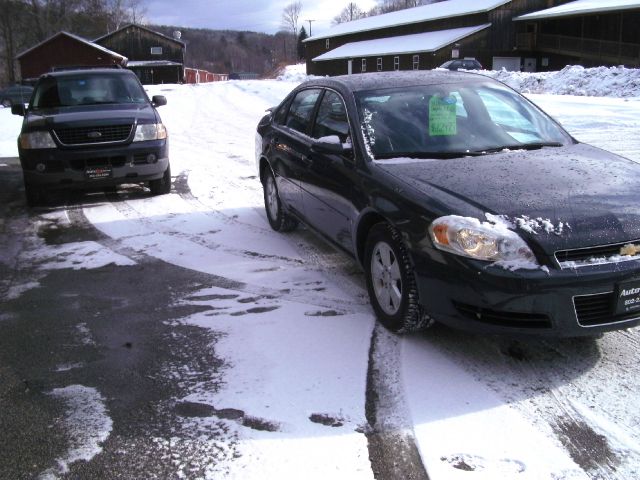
(331, 118)
(299, 116)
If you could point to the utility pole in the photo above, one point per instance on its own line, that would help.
(310, 25)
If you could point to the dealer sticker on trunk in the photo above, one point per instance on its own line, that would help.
(628, 297)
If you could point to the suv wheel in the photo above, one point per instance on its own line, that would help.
(162, 186)
(33, 195)
(391, 282)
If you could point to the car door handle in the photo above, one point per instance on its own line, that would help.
(308, 161)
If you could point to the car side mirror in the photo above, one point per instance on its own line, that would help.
(18, 109)
(328, 145)
(159, 100)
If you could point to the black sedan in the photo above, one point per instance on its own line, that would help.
(463, 201)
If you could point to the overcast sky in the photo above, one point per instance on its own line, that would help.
(253, 15)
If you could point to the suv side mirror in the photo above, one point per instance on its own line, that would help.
(159, 100)
(18, 109)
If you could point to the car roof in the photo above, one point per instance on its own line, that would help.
(376, 80)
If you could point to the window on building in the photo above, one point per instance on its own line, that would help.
(156, 50)
(379, 64)
(326, 43)
(364, 64)
(396, 63)
(416, 62)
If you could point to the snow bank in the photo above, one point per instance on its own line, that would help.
(571, 80)
(575, 80)
(295, 73)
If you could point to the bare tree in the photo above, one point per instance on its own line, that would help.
(290, 17)
(349, 13)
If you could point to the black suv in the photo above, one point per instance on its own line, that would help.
(91, 129)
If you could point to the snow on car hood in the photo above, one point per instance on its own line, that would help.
(561, 198)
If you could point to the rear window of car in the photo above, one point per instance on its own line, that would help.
(67, 91)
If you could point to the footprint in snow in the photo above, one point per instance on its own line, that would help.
(476, 463)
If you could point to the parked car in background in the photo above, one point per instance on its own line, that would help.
(463, 202)
(15, 94)
(91, 129)
(464, 64)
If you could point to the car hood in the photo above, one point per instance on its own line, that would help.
(90, 115)
(561, 198)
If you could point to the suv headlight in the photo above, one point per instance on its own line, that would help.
(33, 140)
(471, 238)
(150, 131)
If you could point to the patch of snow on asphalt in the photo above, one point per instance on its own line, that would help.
(87, 424)
(78, 255)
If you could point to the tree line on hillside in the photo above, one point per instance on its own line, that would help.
(353, 12)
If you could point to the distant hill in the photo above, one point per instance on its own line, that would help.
(226, 51)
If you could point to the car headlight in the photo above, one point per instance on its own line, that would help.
(35, 140)
(490, 241)
(150, 131)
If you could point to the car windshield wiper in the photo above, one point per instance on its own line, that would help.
(444, 155)
(519, 146)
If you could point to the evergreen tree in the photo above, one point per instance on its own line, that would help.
(301, 37)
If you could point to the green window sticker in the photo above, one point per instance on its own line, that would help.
(442, 116)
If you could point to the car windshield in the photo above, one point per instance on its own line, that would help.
(452, 120)
(67, 91)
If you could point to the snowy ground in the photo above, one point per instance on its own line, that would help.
(296, 328)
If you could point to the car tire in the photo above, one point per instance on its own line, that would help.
(278, 219)
(161, 186)
(33, 195)
(391, 282)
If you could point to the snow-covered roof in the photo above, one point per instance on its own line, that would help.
(135, 25)
(425, 13)
(581, 7)
(79, 39)
(153, 63)
(418, 42)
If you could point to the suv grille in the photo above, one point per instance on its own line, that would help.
(598, 309)
(86, 135)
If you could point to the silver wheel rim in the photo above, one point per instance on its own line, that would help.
(386, 278)
(272, 198)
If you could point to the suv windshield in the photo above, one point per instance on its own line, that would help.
(452, 120)
(96, 89)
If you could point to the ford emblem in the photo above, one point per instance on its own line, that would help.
(94, 134)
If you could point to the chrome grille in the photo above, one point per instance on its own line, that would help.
(581, 257)
(93, 135)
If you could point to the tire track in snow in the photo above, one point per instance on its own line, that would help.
(77, 217)
(393, 451)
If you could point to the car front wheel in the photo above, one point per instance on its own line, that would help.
(391, 282)
(161, 186)
(278, 219)
(33, 195)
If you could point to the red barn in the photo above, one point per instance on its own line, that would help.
(65, 50)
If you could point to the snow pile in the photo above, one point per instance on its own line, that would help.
(575, 80)
(295, 73)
